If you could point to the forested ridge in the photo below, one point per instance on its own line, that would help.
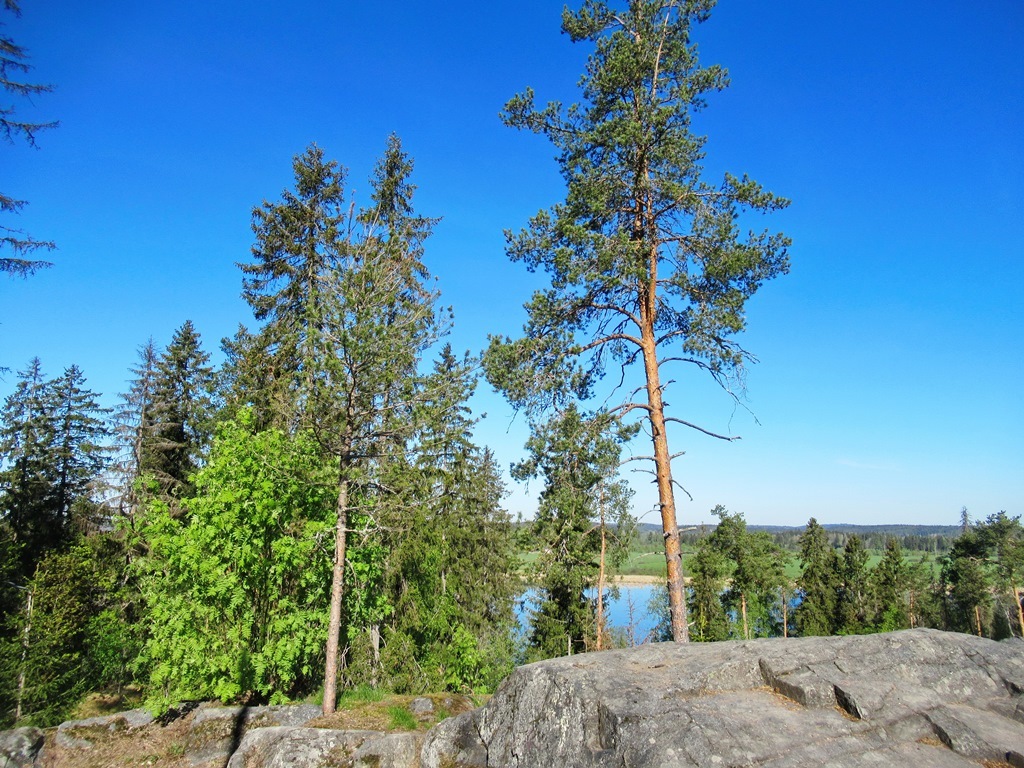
(314, 515)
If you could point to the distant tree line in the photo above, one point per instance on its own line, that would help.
(739, 588)
(872, 537)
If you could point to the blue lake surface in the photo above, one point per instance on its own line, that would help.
(627, 613)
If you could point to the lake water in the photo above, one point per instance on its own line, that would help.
(628, 613)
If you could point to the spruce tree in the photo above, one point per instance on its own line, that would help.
(134, 430)
(818, 582)
(966, 580)
(346, 319)
(647, 261)
(890, 583)
(575, 454)
(27, 446)
(753, 567)
(709, 570)
(852, 595)
(80, 450)
(183, 409)
(1004, 537)
(14, 64)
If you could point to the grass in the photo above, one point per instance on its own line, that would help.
(366, 709)
(402, 719)
(361, 694)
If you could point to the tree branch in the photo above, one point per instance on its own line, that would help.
(701, 429)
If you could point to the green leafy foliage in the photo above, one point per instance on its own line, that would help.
(237, 591)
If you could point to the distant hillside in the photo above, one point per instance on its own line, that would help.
(894, 529)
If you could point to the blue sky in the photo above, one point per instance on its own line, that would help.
(890, 358)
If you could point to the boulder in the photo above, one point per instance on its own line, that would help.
(918, 697)
(20, 747)
(216, 732)
(284, 747)
(80, 734)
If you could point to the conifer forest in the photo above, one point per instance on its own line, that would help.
(314, 514)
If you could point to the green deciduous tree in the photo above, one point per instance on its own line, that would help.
(237, 592)
(647, 260)
(13, 65)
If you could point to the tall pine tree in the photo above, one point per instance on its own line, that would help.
(649, 267)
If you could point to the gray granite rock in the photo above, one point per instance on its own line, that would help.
(422, 706)
(284, 747)
(80, 734)
(919, 697)
(389, 750)
(215, 732)
(289, 747)
(20, 747)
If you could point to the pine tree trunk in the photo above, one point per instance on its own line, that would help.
(666, 495)
(977, 618)
(337, 595)
(743, 609)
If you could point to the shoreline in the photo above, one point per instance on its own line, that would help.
(636, 578)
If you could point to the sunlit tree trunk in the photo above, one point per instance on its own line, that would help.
(337, 596)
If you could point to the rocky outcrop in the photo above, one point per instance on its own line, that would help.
(915, 698)
(216, 732)
(80, 734)
(919, 697)
(309, 747)
(20, 747)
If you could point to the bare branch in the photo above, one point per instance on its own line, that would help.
(701, 429)
(681, 488)
(636, 458)
(610, 337)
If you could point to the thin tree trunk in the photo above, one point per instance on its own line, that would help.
(912, 620)
(375, 644)
(977, 618)
(337, 595)
(785, 612)
(24, 655)
(743, 610)
(1020, 610)
(600, 577)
